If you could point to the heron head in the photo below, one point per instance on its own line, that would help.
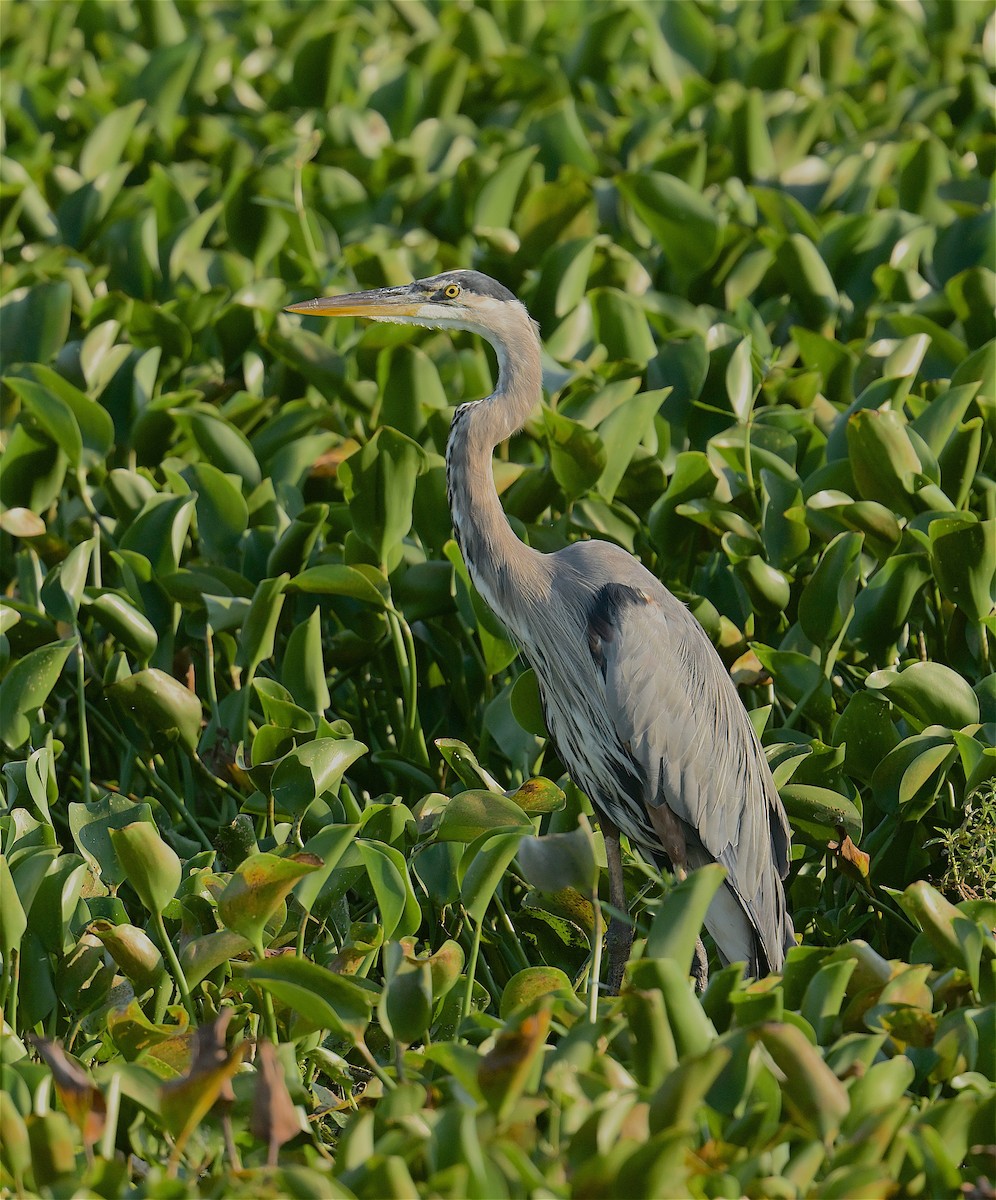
(453, 300)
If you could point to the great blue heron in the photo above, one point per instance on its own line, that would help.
(642, 710)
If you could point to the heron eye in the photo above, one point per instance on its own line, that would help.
(451, 291)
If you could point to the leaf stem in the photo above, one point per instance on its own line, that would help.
(81, 707)
(596, 960)
(475, 950)
(174, 965)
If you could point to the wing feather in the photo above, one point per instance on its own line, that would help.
(675, 708)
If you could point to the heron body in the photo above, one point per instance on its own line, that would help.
(642, 710)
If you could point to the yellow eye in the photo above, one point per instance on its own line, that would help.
(451, 291)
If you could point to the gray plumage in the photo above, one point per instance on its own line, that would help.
(642, 710)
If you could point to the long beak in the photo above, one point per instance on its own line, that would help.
(381, 302)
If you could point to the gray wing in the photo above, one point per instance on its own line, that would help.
(677, 712)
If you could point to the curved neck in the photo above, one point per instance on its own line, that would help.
(503, 568)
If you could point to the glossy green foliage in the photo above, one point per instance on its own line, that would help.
(293, 889)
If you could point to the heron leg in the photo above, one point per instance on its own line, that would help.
(700, 966)
(620, 935)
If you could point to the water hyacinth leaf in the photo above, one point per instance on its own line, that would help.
(312, 770)
(329, 845)
(406, 1003)
(577, 456)
(222, 513)
(811, 1088)
(260, 626)
(484, 872)
(474, 813)
(560, 860)
(257, 888)
(527, 704)
(160, 530)
(297, 541)
(379, 483)
(681, 221)
(224, 447)
(622, 432)
(826, 601)
(387, 870)
(62, 590)
(202, 955)
(35, 322)
(53, 416)
(882, 608)
(677, 923)
(810, 281)
(621, 326)
(504, 1072)
(740, 380)
(133, 951)
(867, 730)
(677, 1099)
(691, 1029)
(930, 693)
(820, 812)
(166, 712)
(963, 557)
(530, 985)
(13, 922)
(537, 796)
(26, 687)
(91, 825)
(913, 770)
(319, 998)
(336, 579)
(151, 866)
(495, 202)
(883, 460)
(124, 623)
(279, 708)
(303, 668)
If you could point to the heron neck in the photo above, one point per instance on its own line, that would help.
(502, 567)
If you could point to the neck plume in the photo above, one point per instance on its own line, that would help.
(503, 568)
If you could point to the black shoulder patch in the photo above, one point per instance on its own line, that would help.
(603, 616)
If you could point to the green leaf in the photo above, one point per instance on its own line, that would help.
(26, 687)
(222, 513)
(303, 667)
(159, 706)
(963, 556)
(335, 579)
(484, 872)
(318, 998)
(475, 813)
(388, 873)
(560, 860)
(151, 867)
(258, 887)
(577, 456)
(820, 813)
(34, 322)
(929, 692)
(13, 922)
(160, 530)
(312, 770)
(826, 601)
(259, 629)
(224, 447)
(681, 221)
(677, 922)
(379, 482)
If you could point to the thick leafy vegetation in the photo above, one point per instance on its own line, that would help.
(294, 897)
